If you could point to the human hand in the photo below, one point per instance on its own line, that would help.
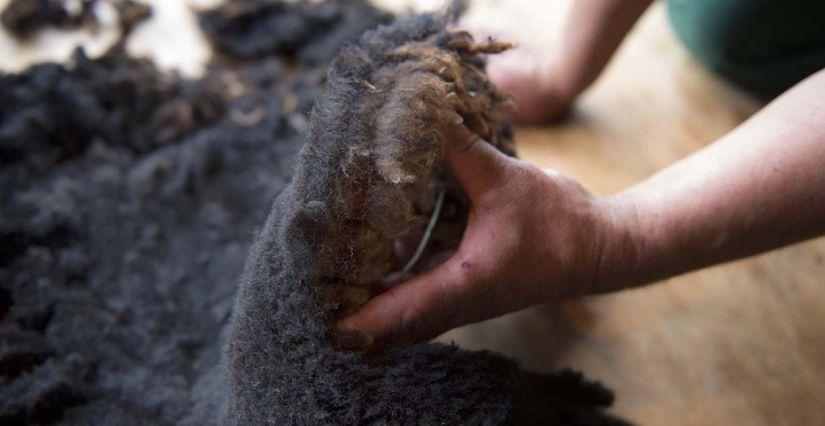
(531, 237)
(530, 72)
(540, 94)
(546, 79)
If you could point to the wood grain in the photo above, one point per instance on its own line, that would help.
(742, 343)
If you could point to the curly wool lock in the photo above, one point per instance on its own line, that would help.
(367, 175)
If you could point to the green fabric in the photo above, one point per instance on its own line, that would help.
(764, 45)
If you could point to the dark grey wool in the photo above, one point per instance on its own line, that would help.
(129, 198)
(374, 146)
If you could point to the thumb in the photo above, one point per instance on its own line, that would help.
(418, 309)
(477, 165)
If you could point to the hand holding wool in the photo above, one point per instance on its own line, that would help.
(532, 236)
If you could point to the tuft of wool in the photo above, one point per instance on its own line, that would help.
(368, 175)
(23, 18)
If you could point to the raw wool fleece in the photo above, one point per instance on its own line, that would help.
(128, 201)
(22, 18)
(367, 175)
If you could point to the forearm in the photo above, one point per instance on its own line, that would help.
(593, 32)
(759, 187)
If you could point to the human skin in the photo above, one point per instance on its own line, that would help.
(548, 86)
(535, 236)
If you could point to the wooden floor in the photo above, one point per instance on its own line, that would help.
(738, 344)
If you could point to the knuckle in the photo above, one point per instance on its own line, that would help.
(403, 316)
(462, 137)
(525, 174)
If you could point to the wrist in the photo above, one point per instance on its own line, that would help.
(558, 84)
(626, 249)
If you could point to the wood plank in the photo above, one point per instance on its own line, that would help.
(741, 343)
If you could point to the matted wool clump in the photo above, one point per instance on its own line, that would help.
(368, 175)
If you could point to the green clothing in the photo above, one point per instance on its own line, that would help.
(763, 45)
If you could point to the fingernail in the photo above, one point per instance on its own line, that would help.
(348, 337)
(345, 324)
